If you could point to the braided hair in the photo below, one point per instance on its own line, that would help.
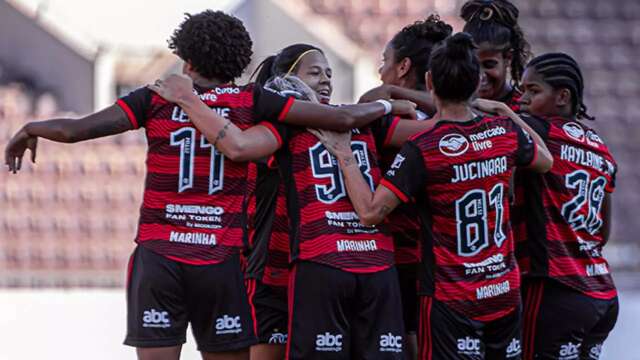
(496, 22)
(415, 42)
(281, 63)
(561, 71)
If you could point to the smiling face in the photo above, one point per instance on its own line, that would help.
(315, 71)
(495, 68)
(541, 99)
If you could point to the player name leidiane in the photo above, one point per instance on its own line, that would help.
(479, 169)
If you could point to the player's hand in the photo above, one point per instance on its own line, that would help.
(16, 147)
(381, 92)
(404, 108)
(490, 106)
(338, 143)
(175, 88)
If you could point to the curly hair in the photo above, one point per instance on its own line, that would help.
(415, 42)
(560, 70)
(496, 22)
(215, 44)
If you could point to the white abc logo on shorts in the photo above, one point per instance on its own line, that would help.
(155, 318)
(469, 346)
(595, 351)
(514, 348)
(569, 351)
(278, 338)
(390, 342)
(228, 325)
(329, 342)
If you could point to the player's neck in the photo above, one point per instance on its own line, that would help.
(455, 112)
(204, 82)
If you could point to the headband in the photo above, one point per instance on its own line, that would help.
(295, 63)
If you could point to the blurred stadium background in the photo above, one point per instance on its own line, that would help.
(67, 223)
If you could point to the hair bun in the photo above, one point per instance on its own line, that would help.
(459, 45)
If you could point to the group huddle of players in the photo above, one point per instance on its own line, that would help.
(458, 211)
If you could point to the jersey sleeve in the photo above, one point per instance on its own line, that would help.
(383, 129)
(135, 105)
(269, 105)
(612, 170)
(407, 174)
(527, 149)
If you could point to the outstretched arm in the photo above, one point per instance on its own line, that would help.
(346, 117)
(372, 207)
(236, 144)
(543, 160)
(109, 121)
(421, 98)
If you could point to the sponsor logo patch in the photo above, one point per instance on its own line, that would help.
(453, 145)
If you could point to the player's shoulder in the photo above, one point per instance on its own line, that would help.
(577, 132)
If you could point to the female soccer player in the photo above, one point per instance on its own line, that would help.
(503, 50)
(570, 301)
(310, 229)
(458, 173)
(405, 61)
(186, 267)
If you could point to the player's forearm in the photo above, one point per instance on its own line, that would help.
(359, 192)
(222, 133)
(422, 98)
(343, 118)
(109, 121)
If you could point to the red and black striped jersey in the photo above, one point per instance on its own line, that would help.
(324, 227)
(512, 99)
(558, 216)
(268, 257)
(192, 208)
(403, 222)
(458, 174)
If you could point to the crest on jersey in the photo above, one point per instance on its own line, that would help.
(574, 131)
(453, 145)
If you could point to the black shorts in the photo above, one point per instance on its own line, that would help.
(334, 314)
(561, 323)
(408, 278)
(269, 311)
(163, 296)
(445, 334)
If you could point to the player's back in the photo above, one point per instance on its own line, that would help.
(192, 205)
(561, 212)
(468, 249)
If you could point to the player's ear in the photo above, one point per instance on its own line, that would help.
(428, 80)
(403, 67)
(187, 69)
(563, 97)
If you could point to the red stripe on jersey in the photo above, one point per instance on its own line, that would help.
(325, 227)
(130, 115)
(286, 109)
(273, 130)
(290, 304)
(425, 338)
(394, 190)
(560, 212)
(392, 129)
(251, 294)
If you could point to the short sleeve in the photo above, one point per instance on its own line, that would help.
(383, 129)
(407, 174)
(135, 105)
(527, 149)
(612, 170)
(269, 105)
